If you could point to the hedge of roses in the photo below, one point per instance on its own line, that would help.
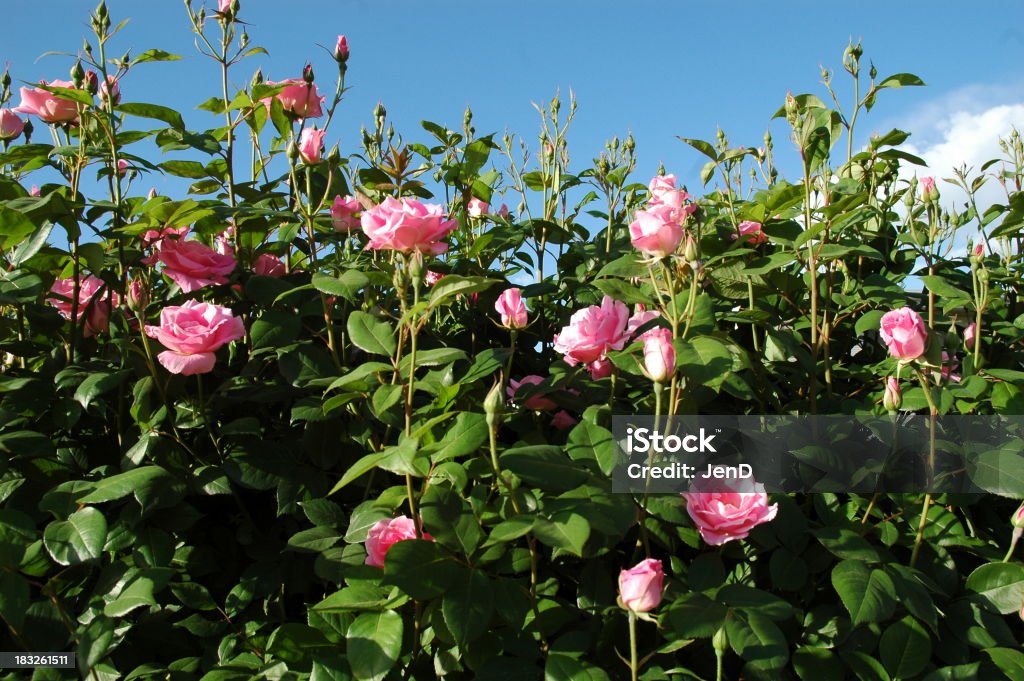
(344, 413)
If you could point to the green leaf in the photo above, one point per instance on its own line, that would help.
(757, 640)
(622, 291)
(467, 607)
(154, 111)
(900, 80)
(942, 288)
(145, 483)
(565, 530)
(905, 648)
(362, 466)
(374, 641)
(314, 539)
(96, 384)
(705, 360)
(78, 539)
(998, 586)
(694, 615)
(591, 442)
(453, 285)
(32, 245)
(371, 334)
(545, 466)
(467, 434)
(419, 568)
(869, 595)
(155, 55)
(347, 285)
(703, 147)
(568, 667)
(869, 321)
(14, 598)
(1009, 661)
(137, 592)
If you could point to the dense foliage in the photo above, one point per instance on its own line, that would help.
(311, 421)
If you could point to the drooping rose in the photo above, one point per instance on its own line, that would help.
(11, 125)
(512, 309)
(192, 333)
(640, 586)
(656, 231)
(311, 145)
(50, 108)
(751, 232)
(193, 265)
(96, 309)
(592, 332)
(904, 333)
(345, 213)
(892, 398)
(659, 355)
(476, 207)
(385, 533)
(298, 98)
(724, 509)
(533, 402)
(407, 225)
(268, 265)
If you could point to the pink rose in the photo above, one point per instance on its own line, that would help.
(533, 402)
(659, 355)
(563, 420)
(601, 368)
(949, 365)
(892, 398)
(298, 98)
(727, 509)
(386, 533)
(96, 310)
(345, 213)
(151, 238)
(50, 108)
(662, 188)
(311, 145)
(656, 231)
(640, 317)
(979, 250)
(122, 166)
(11, 125)
(407, 225)
(192, 333)
(267, 265)
(110, 89)
(476, 208)
(1017, 519)
(929, 192)
(137, 297)
(969, 335)
(34, 191)
(904, 333)
(432, 277)
(222, 243)
(193, 265)
(752, 233)
(512, 309)
(640, 586)
(224, 6)
(592, 332)
(503, 211)
(341, 50)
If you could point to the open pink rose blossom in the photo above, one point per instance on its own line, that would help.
(95, 309)
(592, 332)
(193, 265)
(298, 98)
(407, 225)
(192, 333)
(727, 509)
(904, 333)
(50, 108)
(345, 213)
(512, 309)
(387, 532)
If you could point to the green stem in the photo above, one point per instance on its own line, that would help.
(1017, 531)
(634, 666)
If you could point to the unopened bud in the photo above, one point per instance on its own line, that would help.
(1018, 517)
(77, 74)
(341, 51)
(720, 641)
(244, 39)
(892, 399)
(494, 405)
(379, 112)
(307, 74)
(257, 78)
(137, 296)
(91, 82)
(292, 152)
(690, 251)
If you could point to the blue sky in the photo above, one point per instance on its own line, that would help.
(658, 69)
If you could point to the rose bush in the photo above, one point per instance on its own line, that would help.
(338, 419)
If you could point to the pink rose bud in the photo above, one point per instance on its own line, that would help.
(1018, 517)
(503, 211)
(969, 335)
(476, 208)
(751, 232)
(640, 586)
(11, 125)
(311, 145)
(152, 193)
(407, 225)
(298, 98)
(533, 402)
(34, 191)
(193, 265)
(341, 49)
(661, 188)
(110, 90)
(267, 265)
(345, 213)
(563, 420)
(656, 231)
(432, 277)
(122, 167)
(892, 399)
(512, 309)
(592, 332)
(904, 333)
(385, 533)
(929, 192)
(979, 250)
(224, 6)
(192, 333)
(49, 107)
(725, 509)
(92, 82)
(95, 309)
(600, 368)
(137, 296)
(659, 355)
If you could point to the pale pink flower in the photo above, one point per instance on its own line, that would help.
(640, 586)
(904, 333)
(407, 225)
(192, 333)
(385, 533)
(724, 509)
